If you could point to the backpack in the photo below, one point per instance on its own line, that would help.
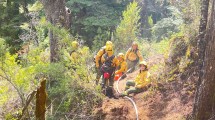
(135, 53)
(107, 65)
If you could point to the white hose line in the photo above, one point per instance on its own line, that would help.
(135, 107)
(131, 100)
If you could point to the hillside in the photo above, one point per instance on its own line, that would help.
(169, 101)
(53, 51)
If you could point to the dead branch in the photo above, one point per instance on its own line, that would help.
(28, 101)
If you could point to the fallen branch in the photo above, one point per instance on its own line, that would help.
(29, 99)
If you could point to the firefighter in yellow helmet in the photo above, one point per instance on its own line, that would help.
(109, 60)
(109, 43)
(74, 55)
(122, 68)
(141, 81)
(98, 57)
(75, 44)
(133, 56)
(109, 64)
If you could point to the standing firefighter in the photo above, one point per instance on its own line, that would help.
(75, 55)
(98, 57)
(133, 56)
(140, 83)
(122, 68)
(109, 64)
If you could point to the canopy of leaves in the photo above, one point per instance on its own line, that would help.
(88, 16)
(11, 17)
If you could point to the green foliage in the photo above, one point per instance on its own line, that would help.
(155, 53)
(177, 62)
(128, 28)
(3, 48)
(73, 83)
(62, 33)
(150, 21)
(4, 89)
(74, 86)
(70, 85)
(178, 47)
(165, 28)
(17, 78)
(154, 48)
(160, 54)
(10, 19)
(100, 39)
(89, 16)
(37, 6)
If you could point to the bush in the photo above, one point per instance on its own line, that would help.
(128, 29)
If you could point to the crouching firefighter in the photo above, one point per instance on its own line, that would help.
(122, 68)
(141, 82)
(109, 64)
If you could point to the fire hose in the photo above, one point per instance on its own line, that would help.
(130, 99)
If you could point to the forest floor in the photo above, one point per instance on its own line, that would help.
(173, 101)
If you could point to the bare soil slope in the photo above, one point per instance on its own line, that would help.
(171, 101)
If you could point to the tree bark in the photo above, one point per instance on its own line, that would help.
(58, 15)
(41, 98)
(204, 108)
(202, 30)
(201, 46)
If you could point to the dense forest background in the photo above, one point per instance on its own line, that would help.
(36, 39)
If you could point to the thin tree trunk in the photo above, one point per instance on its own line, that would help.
(205, 100)
(41, 98)
(59, 16)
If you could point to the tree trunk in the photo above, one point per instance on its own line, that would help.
(202, 30)
(41, 97)
(59, 16)
(201, 45)
(204, 108)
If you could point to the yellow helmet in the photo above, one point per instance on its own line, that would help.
(74, 44)
(109, 43)
(109, 50)
(143, 63)
(121, 55)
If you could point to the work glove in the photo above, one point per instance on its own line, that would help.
(117, 72)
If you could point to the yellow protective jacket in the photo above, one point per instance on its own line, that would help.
(74, 57)
(142, 79)
(133, 55)
(115, 62)
(122, 67)
(99, 56)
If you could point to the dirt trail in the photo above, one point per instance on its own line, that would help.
(173, 102)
